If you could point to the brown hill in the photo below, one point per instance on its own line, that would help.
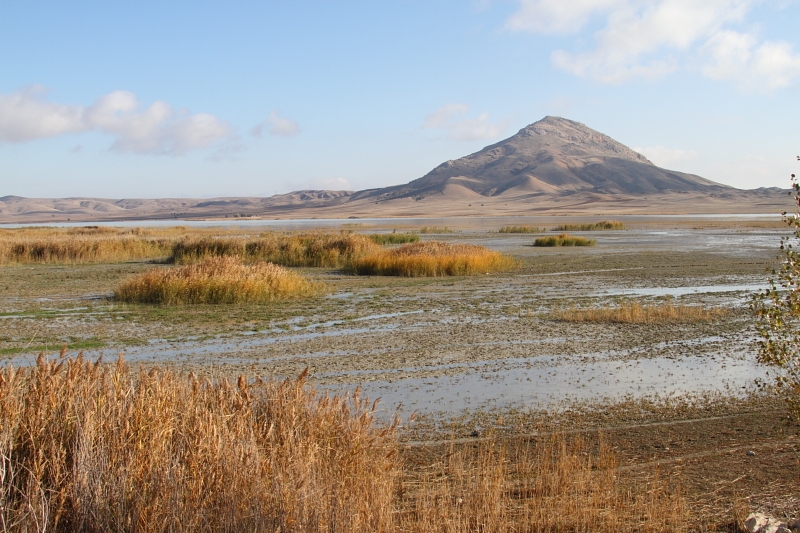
(552, 156)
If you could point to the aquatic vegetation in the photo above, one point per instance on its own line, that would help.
(564, 240)
(638, 313)
(521, 229)
(596, 226)
(394, 238)
(435, 230)
(215, 280)
(431, 259)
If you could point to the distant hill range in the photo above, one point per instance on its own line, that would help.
(553, 166)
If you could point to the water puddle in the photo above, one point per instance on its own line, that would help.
(683, 291)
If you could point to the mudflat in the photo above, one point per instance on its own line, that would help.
(487, 356)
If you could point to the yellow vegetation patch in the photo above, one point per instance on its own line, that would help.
(432, 259)
(564, 239)
(637, 313)
(216, 280)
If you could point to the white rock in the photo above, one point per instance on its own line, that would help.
(755, 522)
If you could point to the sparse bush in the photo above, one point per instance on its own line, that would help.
(521, 229)
(564, 240)
(431, 259)
(638, 313)
(216, 280)
(597, 226)
(778, 312)
(394, 238)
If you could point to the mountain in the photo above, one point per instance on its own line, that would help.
(552, 156)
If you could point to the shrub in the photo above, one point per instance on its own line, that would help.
(431, 259)
(216, 280)
(564, 240)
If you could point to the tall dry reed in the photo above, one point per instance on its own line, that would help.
(564, 239)
(86, 447)
(216, 280)
(432, 259)
(306, 250)
(638, 313)
(557, 485)
(595, 226)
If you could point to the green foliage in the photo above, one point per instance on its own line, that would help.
(394, 238)
(564, 240)
(778, 311)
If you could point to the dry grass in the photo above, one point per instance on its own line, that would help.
(427, 230)
(394, 238)
(90, 244)
(432, 259)
(638, 313)
(89, 447)
(556, 485)
(596, 226)
(564, 240)
(305, 250)
(216, 280)
(96, 448)
(521, 229)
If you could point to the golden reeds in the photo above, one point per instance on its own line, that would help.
(564, 240)
(596, 226)
(638, 313)
(394, 238)
(432, 259)
(306, 250)
(521, 229)
(86, 447)
(216, 280)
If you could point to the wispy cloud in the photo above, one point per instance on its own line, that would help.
(276, 125)
(157, 129)
(651, 39)
(452, 119)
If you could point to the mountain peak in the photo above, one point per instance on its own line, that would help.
(554, 156)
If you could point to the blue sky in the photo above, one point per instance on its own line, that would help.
(199, 99)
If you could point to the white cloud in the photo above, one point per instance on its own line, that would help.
(649, 39)
(452, 119)
(277, 125)
(739, 57)
(158, 129)
(26, 116)
(666, 157)
(332, 184)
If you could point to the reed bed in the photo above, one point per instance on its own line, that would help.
(89, 447)
(435, 230)
(596, 226)
(521, 229)
(91, 244)
(305, 250)
(564, 240)
(432, 259)
(556, 485)
(215, 280)
(394, 238)
(638, 313)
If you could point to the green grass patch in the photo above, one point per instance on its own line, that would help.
(394, 238)
(88, 344)
(564, 240)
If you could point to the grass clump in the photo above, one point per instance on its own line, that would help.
(88, 447)
(439, 230)
(431, 259)
(521, 229)
(394, 238)
(564, 240)
(216, 280)
(638, 313)
(597, 226)
(306, 250)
